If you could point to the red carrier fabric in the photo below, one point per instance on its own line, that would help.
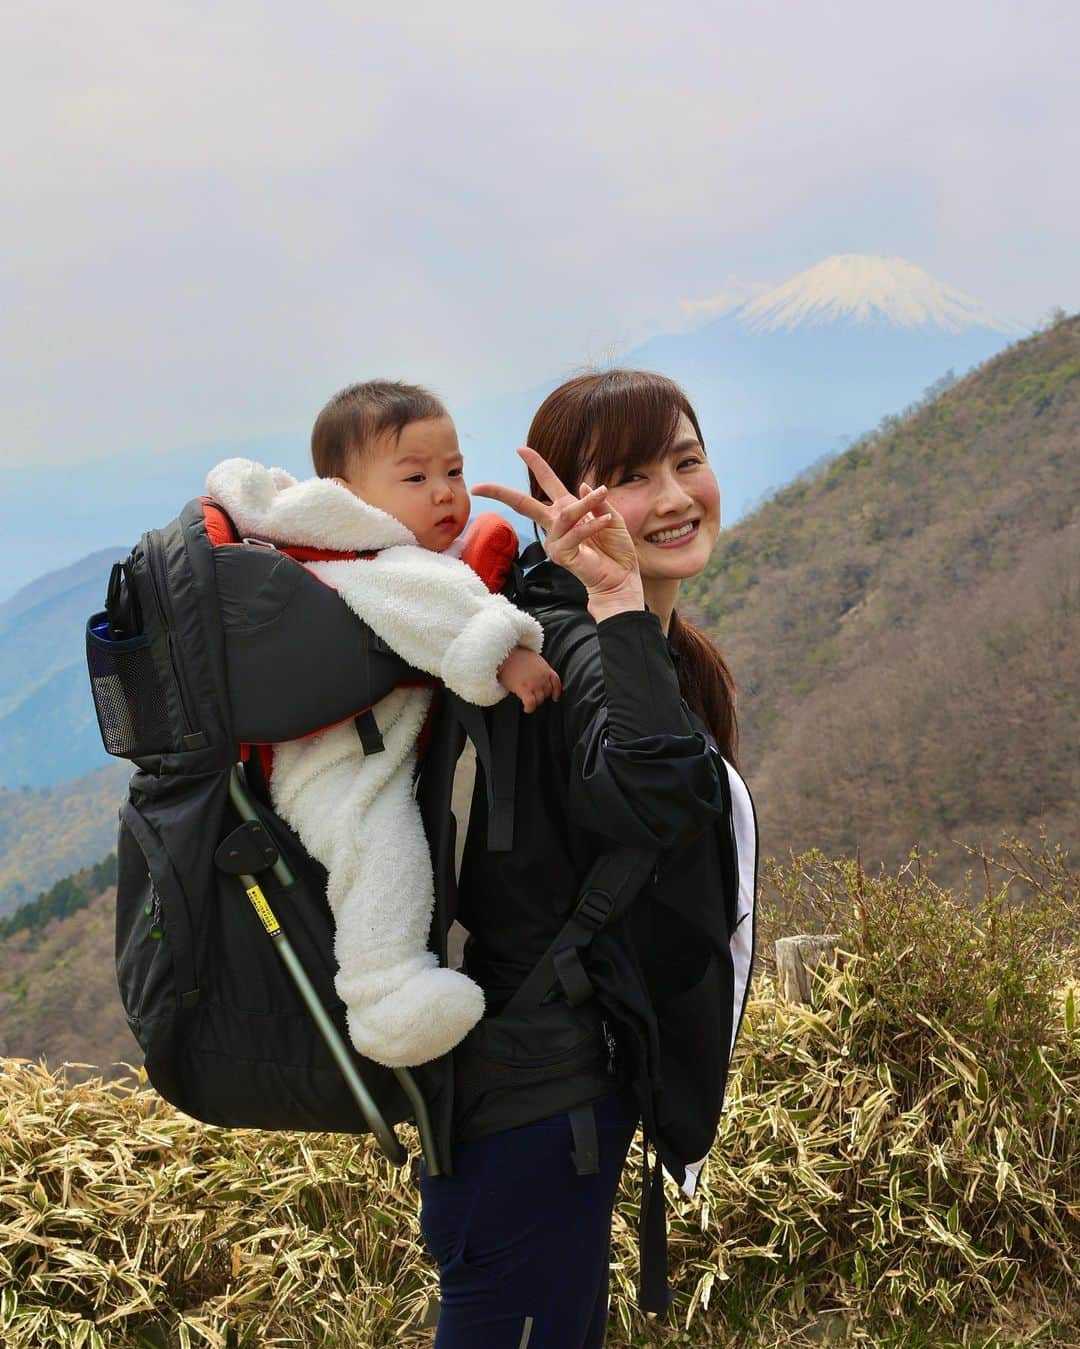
(491, 544)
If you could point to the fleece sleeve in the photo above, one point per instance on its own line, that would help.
(437, 614)
(640, 772)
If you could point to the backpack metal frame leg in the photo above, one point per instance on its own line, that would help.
(384, 1134)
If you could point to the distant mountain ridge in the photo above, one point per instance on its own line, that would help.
(59, 513)
(55, 583)
(48, 732)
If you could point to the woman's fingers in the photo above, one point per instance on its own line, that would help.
(519, 501)
(544, 474)
(566, 513)
(584, 530)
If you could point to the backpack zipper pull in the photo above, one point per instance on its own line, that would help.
(609, 1041)
(152, 909)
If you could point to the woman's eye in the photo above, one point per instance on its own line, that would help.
(693, 459)
(631, 477)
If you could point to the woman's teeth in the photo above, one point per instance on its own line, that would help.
(666, 535)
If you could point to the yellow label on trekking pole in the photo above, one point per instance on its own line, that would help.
(263, 909)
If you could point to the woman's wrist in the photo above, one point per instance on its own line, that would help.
(626, 599)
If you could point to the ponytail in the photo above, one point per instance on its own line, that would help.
(706, 684)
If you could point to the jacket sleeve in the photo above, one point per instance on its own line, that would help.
(437, 614)
(640, 773)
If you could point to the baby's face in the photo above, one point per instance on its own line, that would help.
(417, 478)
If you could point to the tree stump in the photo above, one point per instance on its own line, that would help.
(796, 960)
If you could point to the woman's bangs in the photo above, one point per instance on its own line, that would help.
(632, 425)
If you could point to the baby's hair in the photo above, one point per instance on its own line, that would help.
(356, 414)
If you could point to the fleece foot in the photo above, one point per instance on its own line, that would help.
(425, 1017)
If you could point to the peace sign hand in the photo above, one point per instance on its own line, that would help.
(583, 533)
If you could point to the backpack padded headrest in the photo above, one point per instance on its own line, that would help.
(219, 528)
(490, 548)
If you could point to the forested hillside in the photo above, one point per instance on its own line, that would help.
(903, 623)
(58, 996)
(47, 832)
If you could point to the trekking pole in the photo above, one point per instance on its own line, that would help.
(384, 1134)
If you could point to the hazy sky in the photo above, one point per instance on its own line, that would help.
(215, 215)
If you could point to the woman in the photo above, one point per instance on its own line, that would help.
(630, 508)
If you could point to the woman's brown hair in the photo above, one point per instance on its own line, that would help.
(596, 424)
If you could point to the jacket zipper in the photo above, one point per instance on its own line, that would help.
(160, 590)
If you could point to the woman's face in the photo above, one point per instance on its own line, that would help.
(671, 507)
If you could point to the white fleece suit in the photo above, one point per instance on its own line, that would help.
(355, 813)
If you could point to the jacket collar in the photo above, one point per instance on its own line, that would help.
(545, 585)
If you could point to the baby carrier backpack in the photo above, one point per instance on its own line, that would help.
(211, 648)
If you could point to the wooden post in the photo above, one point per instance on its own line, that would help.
(796, 960)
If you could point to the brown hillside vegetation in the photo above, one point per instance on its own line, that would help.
(49, 832)
(58, 996)
(903, 623)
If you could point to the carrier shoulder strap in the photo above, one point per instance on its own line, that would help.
(496, 754)
(611, 886)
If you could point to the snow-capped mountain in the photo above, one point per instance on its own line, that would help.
(863, 289)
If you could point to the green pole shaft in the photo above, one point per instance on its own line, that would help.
(384, 1134)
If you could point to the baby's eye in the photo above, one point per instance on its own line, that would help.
(456, 472)
(416, 477)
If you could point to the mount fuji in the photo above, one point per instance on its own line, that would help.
(860, 289)
(798, 370)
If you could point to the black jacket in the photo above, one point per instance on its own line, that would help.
(619, 759)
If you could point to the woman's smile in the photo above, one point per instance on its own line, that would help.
(673, 536)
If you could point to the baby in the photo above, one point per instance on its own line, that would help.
(390, 484)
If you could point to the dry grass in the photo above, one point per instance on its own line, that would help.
(899, 1165)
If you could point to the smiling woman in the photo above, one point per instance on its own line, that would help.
(592, 1021)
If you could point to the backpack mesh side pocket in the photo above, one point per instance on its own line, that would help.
(130, 702)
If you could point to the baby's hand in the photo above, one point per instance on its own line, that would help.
(529, 677)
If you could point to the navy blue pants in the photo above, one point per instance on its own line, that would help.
(521, 1240)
